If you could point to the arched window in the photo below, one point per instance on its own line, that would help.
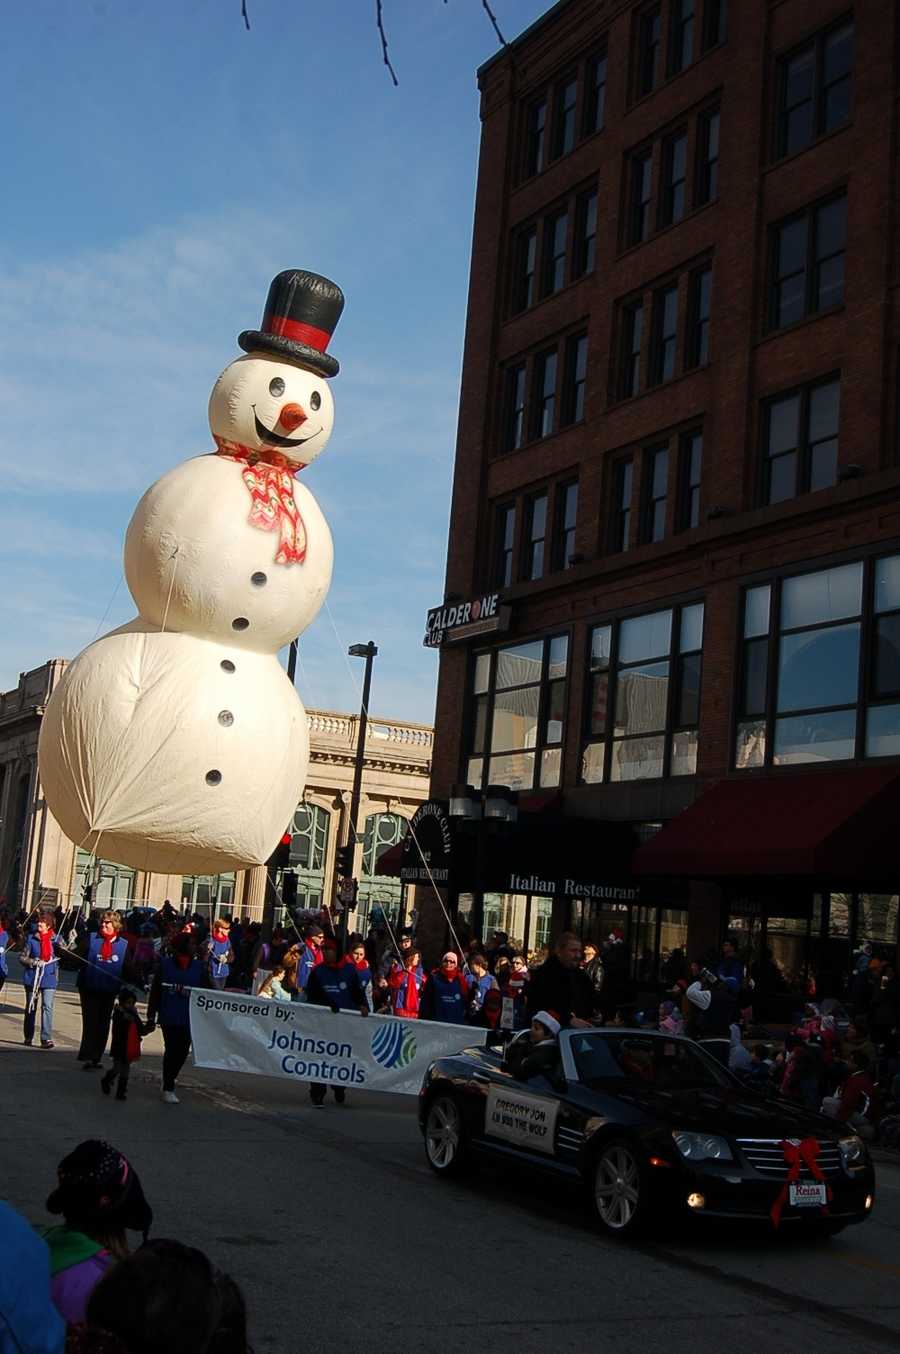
(208, 894)
(309, 848)
(382, 830)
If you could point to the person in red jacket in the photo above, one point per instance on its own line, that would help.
(406, 986)
(857, 1103)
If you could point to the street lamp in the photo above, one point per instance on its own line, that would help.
(484, 814)
(368, 652)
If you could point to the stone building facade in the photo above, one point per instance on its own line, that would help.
(37, 860)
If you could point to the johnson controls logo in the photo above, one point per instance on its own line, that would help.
(394, 1045)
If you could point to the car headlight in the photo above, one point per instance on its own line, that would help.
(702, 1146)
(853, 1150)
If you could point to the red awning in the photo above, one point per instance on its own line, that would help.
(836, 824)
(389, 861)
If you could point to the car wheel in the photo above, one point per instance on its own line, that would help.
(445, 1136)
(620, 1188)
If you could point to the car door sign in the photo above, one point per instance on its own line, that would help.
(524, 1120)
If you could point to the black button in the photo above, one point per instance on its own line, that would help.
(213, 777)
(226, 665)
(240, 623)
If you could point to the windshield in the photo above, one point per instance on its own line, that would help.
(644, 1061)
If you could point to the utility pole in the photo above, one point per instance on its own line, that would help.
(368, 652)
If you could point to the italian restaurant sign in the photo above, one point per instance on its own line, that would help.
(448, 624)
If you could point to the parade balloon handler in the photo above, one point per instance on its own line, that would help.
(445, 996)
(218, 954)
(311, 954)
(39, 958)
(337, 985)
(356, 957)
(127, 1032)
(169, 1007)
(406, 985)
(161, 733)
(100, 1198)
(99, 980)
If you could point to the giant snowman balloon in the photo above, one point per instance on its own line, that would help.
(176, 743)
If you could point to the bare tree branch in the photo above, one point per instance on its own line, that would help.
(244, 15)
(384, 47)
(493, 18)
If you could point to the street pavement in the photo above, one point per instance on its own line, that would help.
(343, 1240)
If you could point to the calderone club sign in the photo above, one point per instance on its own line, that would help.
(450, 623)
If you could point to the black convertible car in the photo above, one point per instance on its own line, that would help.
(647, 1122)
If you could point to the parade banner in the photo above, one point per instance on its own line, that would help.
(310, 1043)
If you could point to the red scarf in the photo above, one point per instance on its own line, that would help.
(182, 960)
(46, 940)
(106, 948)
(270, 480)
(410, 1003)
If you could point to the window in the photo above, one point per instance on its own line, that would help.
(554, 263)
(681, 35)
(630, 364)
(691, 464)
(699, 300)
(544, 413)
(535, 137)
(664, 335)
(575, 378)
(801, 441)
(807, 272)
(566, 514)
(623, 482)
(656, 488)
(715, 18)
(643, 699)
(309, 850)
(514, 408)
(517, 718)
(815, 89)
(504, 536)
(524, 263)
(382, 831)
(674, 173)
(564, 118)
(535, 536)
(648, 51)
(585, 247)
(708, 157)
(641, 180)
(595, 95)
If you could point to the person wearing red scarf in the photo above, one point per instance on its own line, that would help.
(406, 986)
(100, 976)
(40, 977)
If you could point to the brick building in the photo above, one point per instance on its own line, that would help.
(675, 505)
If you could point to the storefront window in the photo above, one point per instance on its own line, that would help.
(643, 699)
(309, 847)
(877, 918)
(208, 894)
(804, 641)
(113, 884)
(517, 722)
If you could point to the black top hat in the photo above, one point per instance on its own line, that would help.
(301, 312)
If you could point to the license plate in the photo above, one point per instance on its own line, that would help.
(808, 1194)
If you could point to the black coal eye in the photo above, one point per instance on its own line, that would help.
(276, 386)
(315, 400)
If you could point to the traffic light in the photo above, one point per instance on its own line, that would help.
(280, 858)
(345, 861)
(289, 888)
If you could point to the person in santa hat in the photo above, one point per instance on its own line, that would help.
(538, 1055)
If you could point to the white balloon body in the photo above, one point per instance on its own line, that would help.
(139, 723)
(176, 744)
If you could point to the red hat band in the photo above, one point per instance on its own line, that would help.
(280, 326)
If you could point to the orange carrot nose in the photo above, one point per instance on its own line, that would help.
(291, 416)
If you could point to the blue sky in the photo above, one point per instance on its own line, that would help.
(161, 166)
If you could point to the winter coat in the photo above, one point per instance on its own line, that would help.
(103, 975)
(337, 986)
(567, 992)
(174, 1006)
(77, 1264)
(28, 1319)
(29, 957)
(444, 999)
(219, 957)
(125, 1047)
